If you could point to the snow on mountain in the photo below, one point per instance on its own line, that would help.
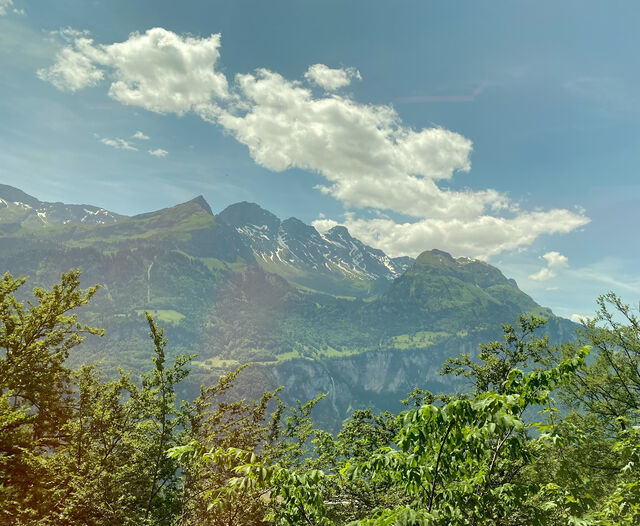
(19, 207)
(292, 243)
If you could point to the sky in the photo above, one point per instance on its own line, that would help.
(505, 130)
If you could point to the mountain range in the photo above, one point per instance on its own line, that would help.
(316, 312)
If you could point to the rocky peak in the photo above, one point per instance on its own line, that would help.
(244, 214)
(201, 202)
(292, 245)
(435, 257)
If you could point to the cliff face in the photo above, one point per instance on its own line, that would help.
(377, 379)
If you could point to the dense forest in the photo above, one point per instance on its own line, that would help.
(546, 435)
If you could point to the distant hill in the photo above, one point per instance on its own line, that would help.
(318, 312)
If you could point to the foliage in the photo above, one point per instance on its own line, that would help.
(459, 464)
(78, 449)
(496, 359)
(35, 387)
(609, 387)
(74, 448)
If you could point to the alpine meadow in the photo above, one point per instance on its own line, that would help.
(356, 263)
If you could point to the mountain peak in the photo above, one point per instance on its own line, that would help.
(296, 227)
(15, 195)
(435, 257)
(201, 201)
(20, 208)
(338, 231)
(244, 213)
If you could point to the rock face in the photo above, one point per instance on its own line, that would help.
(377, 379)
(298, 252)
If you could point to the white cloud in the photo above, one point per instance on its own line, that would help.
(73, 70)
(579, 318)
(140, 136)
(323, 225)
(158, 70)
(69, 34)
(556, 260)
(479, 237)
(331, 79)
(118, 144)
(5, 5)
(158, 152)
(368, 158)
(543, 274)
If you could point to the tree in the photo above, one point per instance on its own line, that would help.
(218, 424)
(598, 443)
(35, 387)
(460, 464)
(520, 349)
(113, 469)
(74, 448)
(609, 387)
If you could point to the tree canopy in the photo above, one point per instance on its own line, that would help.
(545, 435)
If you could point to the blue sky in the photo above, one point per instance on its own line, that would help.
(503, 130)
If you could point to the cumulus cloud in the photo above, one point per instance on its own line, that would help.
(73, 70)
(331, 79)
(158, 152)
(543, 274)
(367, 157)
(157, 70)
(118, 144)
(479, 237)
(5, 5)
(140, 136)
(579, 318)
(555, 259)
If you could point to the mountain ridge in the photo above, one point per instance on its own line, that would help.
(213, 288)
(300, 253)
(19, 208)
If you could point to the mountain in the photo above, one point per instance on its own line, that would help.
(441, 291)
(316, 312)
(333, 262)
(18, 209)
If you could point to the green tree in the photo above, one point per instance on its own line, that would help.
(521, 348)
(598, 443)
(112, 468)
(218, 422)
(75, 449)
(609, 387)
(35, 388)
(460, 464)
